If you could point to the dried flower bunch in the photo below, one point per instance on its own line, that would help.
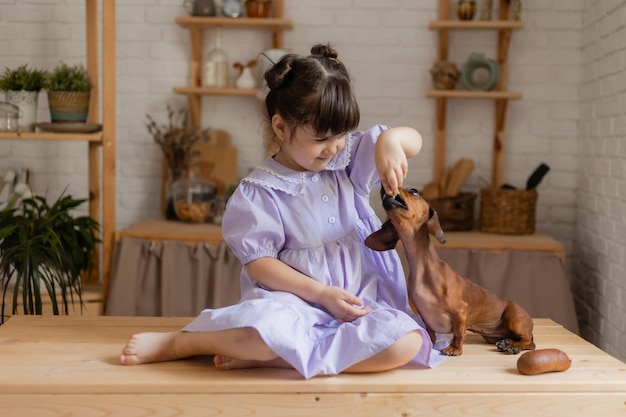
(177, 139)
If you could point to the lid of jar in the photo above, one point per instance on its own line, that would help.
(9, 109)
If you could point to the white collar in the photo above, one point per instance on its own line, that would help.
(273, 174)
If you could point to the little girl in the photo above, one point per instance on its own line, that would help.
(313, 297)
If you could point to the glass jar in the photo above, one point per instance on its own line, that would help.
(215, 71)
(193, 199)
(9, 117)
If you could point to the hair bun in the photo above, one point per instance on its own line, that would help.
(325, 51)
(276, 75)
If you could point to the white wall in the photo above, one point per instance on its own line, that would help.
(599, 254)
(389, 50)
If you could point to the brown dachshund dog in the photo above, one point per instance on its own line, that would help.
(447, 302)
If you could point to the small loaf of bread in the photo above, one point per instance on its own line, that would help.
(540, 361)
(459, 173)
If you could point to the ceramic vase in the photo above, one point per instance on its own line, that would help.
(245, 79)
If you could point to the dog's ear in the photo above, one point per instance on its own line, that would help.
(384, 239)
(434, 228)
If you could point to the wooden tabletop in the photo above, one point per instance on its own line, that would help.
(67, 366)
(500, 242)
(161, 229)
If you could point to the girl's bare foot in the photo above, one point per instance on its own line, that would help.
(149, 347)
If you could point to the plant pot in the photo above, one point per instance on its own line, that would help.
(26, 101)
(68, 106)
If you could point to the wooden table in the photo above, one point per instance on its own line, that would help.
(161, 229)
(535, 242)
(67, 366)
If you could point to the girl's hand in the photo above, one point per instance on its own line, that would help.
(393, 148)
(391, 164)
(345, 307)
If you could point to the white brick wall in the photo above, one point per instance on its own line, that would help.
(598, 254)
(569, 117)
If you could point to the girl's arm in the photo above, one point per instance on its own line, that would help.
(393, 147)
(278, 276)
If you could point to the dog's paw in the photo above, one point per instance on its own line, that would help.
(503, 344)
(451, 351)
(508, 346)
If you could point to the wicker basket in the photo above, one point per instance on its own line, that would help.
(508, 211)
(455, 213)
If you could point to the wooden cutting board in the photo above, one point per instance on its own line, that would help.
(216, 161)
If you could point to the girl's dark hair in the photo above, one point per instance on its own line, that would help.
(312, 90)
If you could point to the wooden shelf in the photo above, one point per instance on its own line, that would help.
(233, 23)
(216, 91)
(197, 25)
(504, 27)
(81, 137)
(492, 95)
(100, 49)
(476, 24)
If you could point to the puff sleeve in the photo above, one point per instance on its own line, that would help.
(362, 168)
(252, 224)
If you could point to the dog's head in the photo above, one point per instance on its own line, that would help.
(408, 212)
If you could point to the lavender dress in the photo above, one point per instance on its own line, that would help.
(316, 222)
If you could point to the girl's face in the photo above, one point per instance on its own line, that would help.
(306, 150)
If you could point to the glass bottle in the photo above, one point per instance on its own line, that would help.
(215, 73)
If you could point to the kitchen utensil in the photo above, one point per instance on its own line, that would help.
(536, 177)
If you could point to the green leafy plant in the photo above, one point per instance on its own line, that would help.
(23, 78)
(69, 78)
(43, 246)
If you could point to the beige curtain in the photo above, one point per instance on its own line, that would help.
(171, 278)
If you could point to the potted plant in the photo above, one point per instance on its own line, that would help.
(21, 86)
(69, 88)
(43, 246)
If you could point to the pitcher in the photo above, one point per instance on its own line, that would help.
(200, 7)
